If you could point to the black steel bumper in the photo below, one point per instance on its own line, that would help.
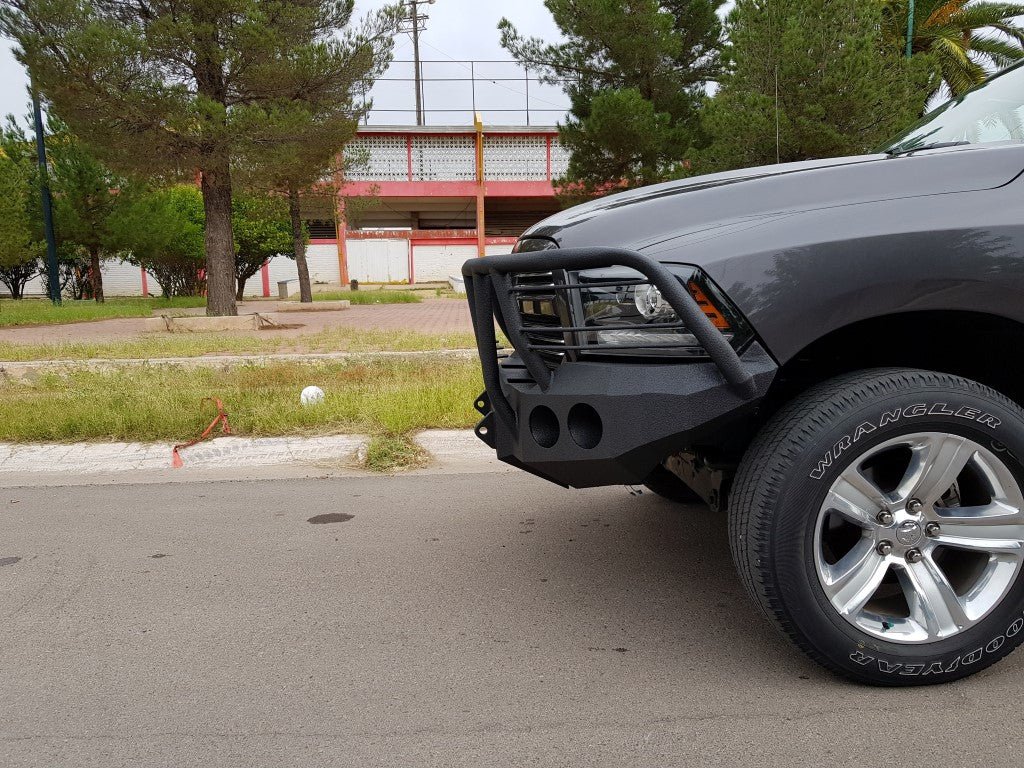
(589, 423)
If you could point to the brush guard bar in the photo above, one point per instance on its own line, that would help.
(492, 295)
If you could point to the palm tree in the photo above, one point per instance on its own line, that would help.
(967, 40)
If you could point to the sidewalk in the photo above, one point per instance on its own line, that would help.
(26, 370)
(429, 316)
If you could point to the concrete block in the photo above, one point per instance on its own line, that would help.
(151, 324)
(315, 306)
(202, 323)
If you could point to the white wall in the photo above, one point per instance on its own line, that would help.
(434, 263)
(119, 279)
(499, 250)
(322, 259)
(369, 261)
(378, 261)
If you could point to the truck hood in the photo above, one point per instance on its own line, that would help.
(642, 218)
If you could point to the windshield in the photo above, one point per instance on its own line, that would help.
(990, 113)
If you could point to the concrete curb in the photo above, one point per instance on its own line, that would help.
(452, 450)
(25, 370)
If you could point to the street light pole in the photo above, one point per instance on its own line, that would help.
(52, 269)
(910, 28)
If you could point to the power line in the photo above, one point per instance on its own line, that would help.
(494, 81)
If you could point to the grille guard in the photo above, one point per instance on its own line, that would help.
(491, 296)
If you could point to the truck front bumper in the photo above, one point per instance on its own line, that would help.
(588, 423)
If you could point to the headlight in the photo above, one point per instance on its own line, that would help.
(623, 314)
(650, 303)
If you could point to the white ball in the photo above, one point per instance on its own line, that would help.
(312, 396)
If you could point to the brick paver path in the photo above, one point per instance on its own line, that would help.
(429, 316)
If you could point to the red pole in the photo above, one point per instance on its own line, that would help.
(265, 274)
(481, 223)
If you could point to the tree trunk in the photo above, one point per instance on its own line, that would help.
(240, 292)
(95, 275)
(220, 246)
(299, 241)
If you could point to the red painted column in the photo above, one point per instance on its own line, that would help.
(265, 275)
(145, 282)
(481, 190)
(341, 235)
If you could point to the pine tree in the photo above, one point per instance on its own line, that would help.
(301, 156)
(162, 87)
(809, 79)
(636, 73)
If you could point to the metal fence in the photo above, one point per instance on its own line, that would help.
(503, 92)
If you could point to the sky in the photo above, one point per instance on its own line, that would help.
(467, 30)
(456, 29)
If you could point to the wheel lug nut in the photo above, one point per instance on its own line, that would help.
(914, 506)
(932, 529)
(914, 556)
(884, 547)
(885, 517)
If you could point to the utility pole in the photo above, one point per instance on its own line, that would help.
(52, 269)
(416, 57)
(415, 25)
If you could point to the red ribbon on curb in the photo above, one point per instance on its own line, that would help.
(221, 418)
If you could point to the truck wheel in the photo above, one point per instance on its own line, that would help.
(668, 486)
(877, 520)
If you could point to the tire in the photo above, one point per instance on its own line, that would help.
(665, 484)
(811, 548)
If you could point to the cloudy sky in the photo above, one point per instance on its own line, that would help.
(457, 29)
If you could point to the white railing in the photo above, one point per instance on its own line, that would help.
(417, 156)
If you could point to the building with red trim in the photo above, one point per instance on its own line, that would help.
(422, 201)
(428, 198)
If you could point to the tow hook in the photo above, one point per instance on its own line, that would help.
(708, 480)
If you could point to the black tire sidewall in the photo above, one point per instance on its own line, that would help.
(801, 495)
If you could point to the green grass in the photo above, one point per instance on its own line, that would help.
(339, 339)
(447, 293)
(388, 398)
(42, 312)
(394, 453)
(369, 296)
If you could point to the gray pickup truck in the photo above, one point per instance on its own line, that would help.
(827, 351)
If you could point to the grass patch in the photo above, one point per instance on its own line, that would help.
(369, 296)
(394, 453)
(447, 293)
(339, 339)
(380, 397)
(42, 312)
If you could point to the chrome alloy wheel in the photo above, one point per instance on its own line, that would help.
(920, 537)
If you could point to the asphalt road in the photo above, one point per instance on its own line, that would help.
(455, 620)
